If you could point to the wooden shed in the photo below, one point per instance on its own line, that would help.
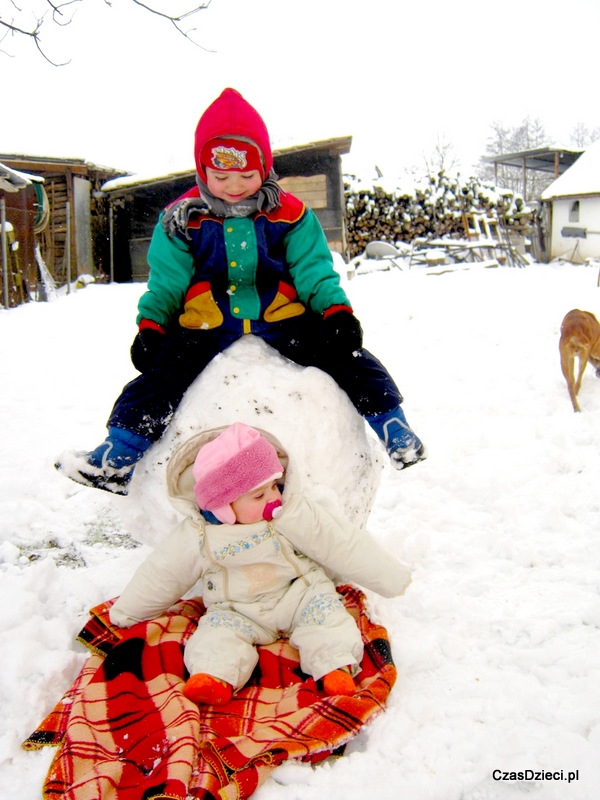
(73, 184)
(311, 171)
(19, 192)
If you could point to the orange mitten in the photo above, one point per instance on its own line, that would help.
(339, 681)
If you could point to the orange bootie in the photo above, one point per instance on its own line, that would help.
(205, 690)
(339, 681)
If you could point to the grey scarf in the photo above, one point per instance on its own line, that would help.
(177, 216)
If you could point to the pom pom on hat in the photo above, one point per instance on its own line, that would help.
(237, 461)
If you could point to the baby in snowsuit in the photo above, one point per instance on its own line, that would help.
(261, 559)
(237, 255)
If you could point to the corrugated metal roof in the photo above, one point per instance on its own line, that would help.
(543, 159)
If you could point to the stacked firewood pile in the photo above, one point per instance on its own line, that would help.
(434, 208)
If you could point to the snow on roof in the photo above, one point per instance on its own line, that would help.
(44, 163)
(582, 178)
(339, 144)
(141, 179)
(11, 180)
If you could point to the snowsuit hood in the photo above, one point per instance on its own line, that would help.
(230, 115)
(180, 477)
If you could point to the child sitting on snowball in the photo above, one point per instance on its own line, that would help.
(237, 255)
(261, 558)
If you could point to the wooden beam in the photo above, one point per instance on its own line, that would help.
(71, 225)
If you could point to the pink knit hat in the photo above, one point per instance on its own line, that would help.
(234, 463)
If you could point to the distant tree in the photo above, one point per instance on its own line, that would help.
(581, 136)
(443, 158)
(499, 142)
(25, 20)
(529, 135)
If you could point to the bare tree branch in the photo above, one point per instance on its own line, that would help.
(443, 158)
(57, 12)
(176, 20)
(173, 17)
(15, 24)
(32, 33)
(15, 29)
(582, 136)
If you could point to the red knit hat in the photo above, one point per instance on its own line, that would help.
(233, 134)
(237, 461)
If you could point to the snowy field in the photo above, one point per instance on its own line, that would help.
(497, 640)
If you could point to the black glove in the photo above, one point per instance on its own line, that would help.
(342, 333)
(146, 346)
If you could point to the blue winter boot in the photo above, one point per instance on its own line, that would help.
(110, 466)
(401, 443)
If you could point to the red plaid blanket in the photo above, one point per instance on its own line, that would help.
(126, 732)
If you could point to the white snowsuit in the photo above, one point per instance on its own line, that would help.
(260, 581)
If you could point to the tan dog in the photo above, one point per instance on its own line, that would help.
(579, 337)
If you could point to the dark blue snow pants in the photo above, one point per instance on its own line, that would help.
(147, 403)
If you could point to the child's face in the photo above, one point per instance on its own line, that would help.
(249, 507)
(233, 187)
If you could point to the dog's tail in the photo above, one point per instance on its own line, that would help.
(575, 346)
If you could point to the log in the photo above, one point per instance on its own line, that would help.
(433, 210)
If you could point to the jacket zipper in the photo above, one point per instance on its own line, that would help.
(293, 564)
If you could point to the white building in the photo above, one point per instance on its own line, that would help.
(574, 200)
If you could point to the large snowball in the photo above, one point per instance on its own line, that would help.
(339, 459)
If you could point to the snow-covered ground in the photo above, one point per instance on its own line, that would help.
(497, 640)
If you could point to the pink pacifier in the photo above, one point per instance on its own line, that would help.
(272, 510)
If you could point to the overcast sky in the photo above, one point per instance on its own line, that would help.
(395, 75)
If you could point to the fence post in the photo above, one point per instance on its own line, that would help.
(111, 233)
(68, 247)
(4, 251)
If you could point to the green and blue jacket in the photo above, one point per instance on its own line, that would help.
(241, 274)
